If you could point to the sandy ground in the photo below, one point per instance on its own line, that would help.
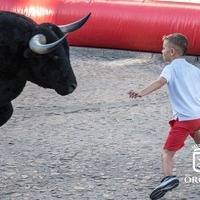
(95, 144)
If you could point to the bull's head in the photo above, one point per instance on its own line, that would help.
(38, 42)
(51, 52)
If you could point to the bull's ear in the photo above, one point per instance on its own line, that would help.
(28, 53)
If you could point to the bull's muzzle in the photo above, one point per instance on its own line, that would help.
(72, 88)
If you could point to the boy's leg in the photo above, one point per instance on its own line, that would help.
(169, 181)
(167, 162)
(196, 138)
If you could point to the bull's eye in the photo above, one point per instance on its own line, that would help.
(55, 58)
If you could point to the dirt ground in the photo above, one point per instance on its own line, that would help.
(95, 144)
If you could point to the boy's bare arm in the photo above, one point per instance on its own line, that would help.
(155, 85)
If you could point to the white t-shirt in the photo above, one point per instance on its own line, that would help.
(183, 81)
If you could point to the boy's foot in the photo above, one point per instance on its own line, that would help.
(167, 183)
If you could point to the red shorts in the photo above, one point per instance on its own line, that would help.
(178, 133)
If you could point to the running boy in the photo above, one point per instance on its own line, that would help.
(183, 82)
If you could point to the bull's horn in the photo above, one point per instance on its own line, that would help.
(74, 26)
(38, 44)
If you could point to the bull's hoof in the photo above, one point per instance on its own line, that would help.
(6, 112)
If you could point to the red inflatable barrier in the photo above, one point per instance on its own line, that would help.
(119, 24)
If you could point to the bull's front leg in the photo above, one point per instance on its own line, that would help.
(6, 112)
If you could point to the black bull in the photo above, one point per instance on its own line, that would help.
(33, 52)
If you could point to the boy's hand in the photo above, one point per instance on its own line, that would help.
(134, 94)
(155, 85)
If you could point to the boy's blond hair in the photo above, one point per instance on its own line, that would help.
(177, 40)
